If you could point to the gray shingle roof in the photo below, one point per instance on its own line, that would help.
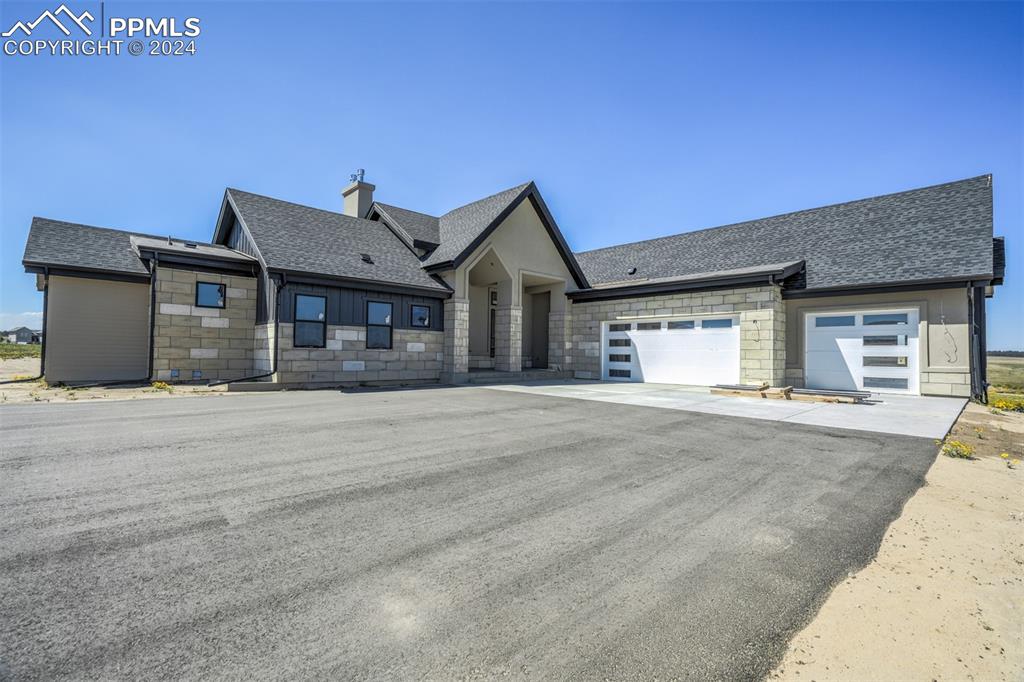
(304, 239)
(458, 228)
(57, 243)
(938, 232)
(415, 225)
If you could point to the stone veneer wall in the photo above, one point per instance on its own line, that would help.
(508, 338)
(560, 340)
(415, 357)
(762, 327)
(455, 354)
(216, 341)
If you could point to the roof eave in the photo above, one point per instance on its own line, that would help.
(882, 287)
(760, 277)
(362, 283)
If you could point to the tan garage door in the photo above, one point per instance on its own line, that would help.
(96, 330)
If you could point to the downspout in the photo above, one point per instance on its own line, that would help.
(42, 343)
(277, 341)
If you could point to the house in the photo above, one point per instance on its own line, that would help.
(885, 294)
(21, 335)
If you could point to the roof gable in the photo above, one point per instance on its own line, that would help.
(297, 238)
(942, 232)
(464, 229)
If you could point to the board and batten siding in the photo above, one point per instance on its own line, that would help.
(348, 306)
(96, 330)
(239, 240)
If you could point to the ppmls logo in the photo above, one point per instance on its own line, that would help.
(52, 16)
(165, 35)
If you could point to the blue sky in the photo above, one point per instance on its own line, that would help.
(635, 120)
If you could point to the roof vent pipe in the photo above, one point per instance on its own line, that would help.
(358, 196)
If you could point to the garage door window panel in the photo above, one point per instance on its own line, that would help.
(876, 319)
(620, 327)
(716, 324)
(648, 326)
(887, 340)
(885, 361)
(836, 321)
(619, 343)
(681, 324)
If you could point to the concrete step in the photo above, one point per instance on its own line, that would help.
(496, 377)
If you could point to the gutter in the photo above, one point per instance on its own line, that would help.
(655, 288)
(277, 342)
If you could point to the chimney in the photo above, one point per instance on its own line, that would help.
(358, 196)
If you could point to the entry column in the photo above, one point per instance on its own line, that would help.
(456, 337)
(508, 338)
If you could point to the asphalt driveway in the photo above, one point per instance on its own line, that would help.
(434, 533)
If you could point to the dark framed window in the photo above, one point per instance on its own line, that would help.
(614, 357)
(681, 324)
(210, 295)
(619, 342)
(620, 327)
(624, 373)
(310, 321)
(378, 325)
(835, 321)
(716, 324)
(885, 318)
(419, 316)
(648, 326)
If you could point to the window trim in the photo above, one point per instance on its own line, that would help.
(296, 320)
(224, 295)
(412, 316)
(389, 327)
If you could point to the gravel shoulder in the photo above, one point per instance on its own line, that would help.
(944, 598)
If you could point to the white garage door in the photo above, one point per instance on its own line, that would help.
(871, 350)
(698, 351)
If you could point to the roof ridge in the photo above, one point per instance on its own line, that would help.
(106, 229)
(295, 203)
(407, 210)
(789, 213)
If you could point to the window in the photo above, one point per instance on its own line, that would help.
(885, 361)
(420, 316)
(618, 342)
(716, 324)
(835, 321)
(210, 295)
(620, 327)
(620, 373)
(648, 326)
(378, 325)
(681, 324)
(889, 340)
(310, 321)
(618, 358)
(884, 382)
(886, 318)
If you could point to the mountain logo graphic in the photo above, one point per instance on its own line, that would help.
(27, 28)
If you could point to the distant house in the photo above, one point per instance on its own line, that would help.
(885, 294)
(22, 335)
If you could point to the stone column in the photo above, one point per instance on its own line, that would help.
(763, 338)
(456, 338)
(559, 340)
(508, 338)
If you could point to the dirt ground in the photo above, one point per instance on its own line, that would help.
(944, 598)
(35, 391)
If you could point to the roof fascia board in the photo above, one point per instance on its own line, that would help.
(889, 287)
(362, 284)
(389, 223)
(641, 290)
(204, 264)
(87, 273)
